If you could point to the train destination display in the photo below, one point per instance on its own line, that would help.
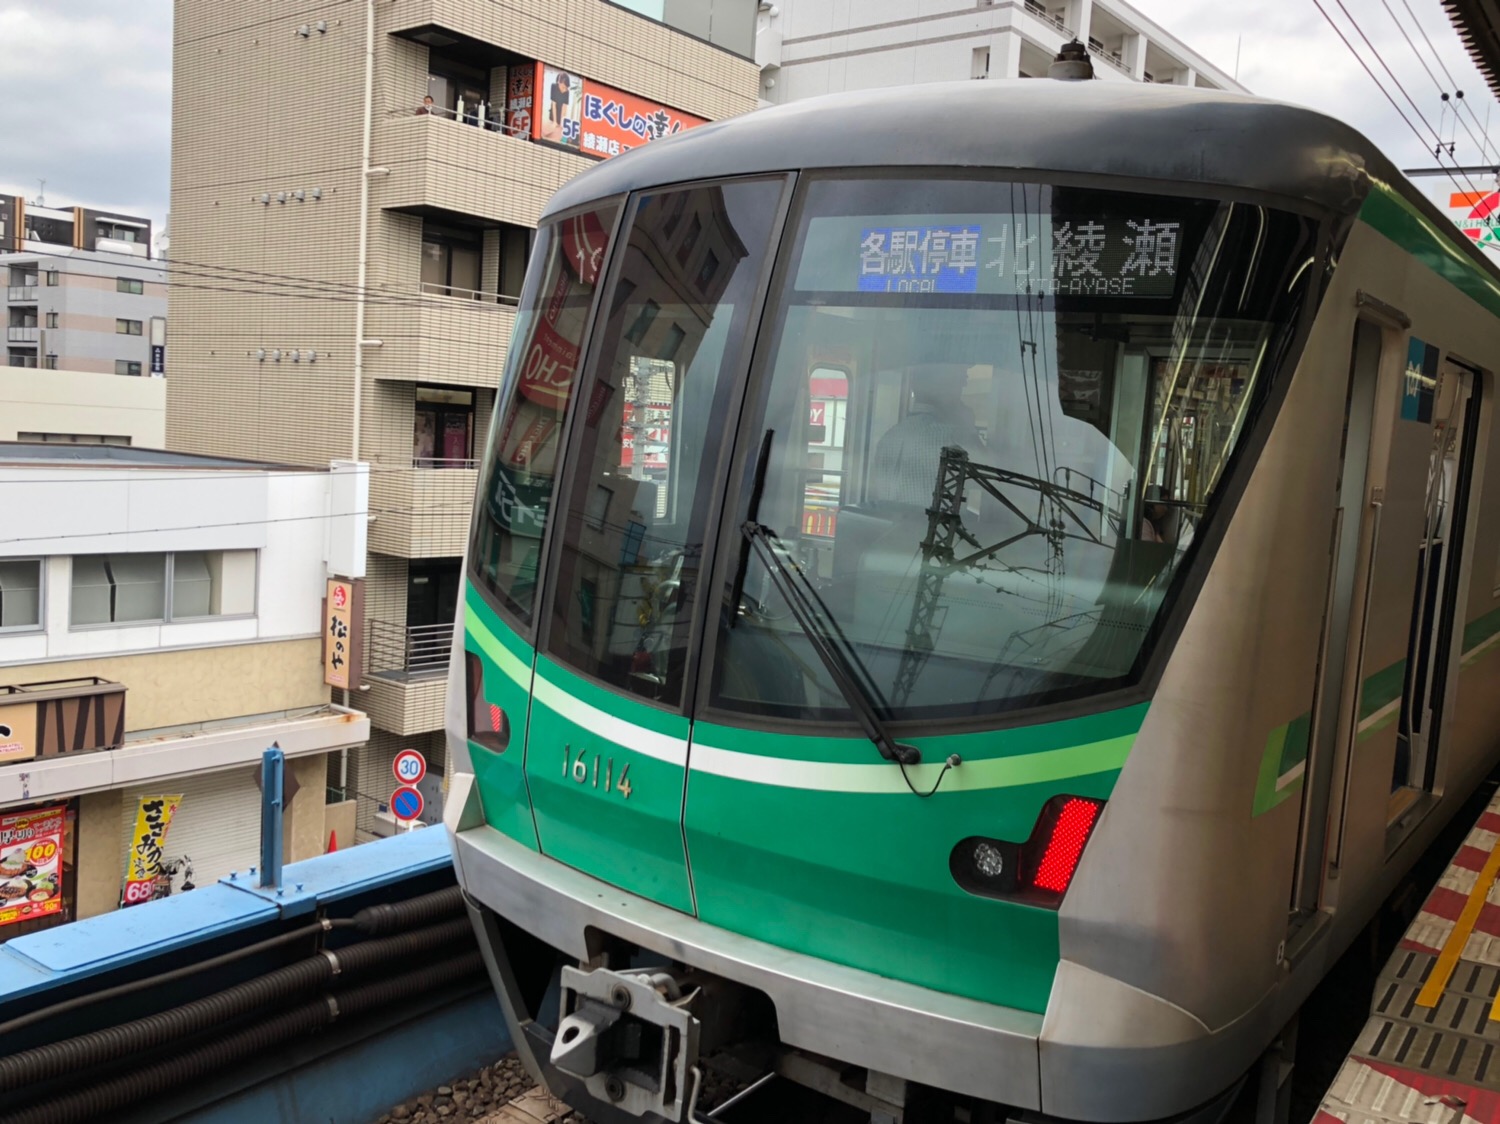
(1000, 255)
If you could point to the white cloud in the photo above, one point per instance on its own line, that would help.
(88, 83)
(1288, 52)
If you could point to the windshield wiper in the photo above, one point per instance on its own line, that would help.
(802, 599)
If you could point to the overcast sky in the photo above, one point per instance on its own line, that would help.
(89, 83)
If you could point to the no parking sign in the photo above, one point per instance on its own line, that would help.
(406, 803)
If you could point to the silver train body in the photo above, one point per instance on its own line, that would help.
(1342, 599)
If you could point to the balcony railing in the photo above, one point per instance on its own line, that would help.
(443, 462)
(1114, 58)
(1054, 18)
(410, 652)
(432, 289)
(23, 334)
(21, 292)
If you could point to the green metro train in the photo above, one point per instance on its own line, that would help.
(977, 593)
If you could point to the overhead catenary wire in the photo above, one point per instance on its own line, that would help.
(1378, 84)
(1375, 51)
(1446, 72)
(1458, 99)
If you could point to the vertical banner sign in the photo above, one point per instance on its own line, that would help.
(158, 346)
(342, 621)
(143, 863)
(31, 870)
(18, 732)
(519, 99)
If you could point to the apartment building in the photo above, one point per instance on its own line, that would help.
(161, 625)
(368, 231)
(81, 292)
(810, 47)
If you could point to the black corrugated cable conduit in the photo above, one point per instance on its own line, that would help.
(390, 917)
(120, 1092)
(75, 1054)
(372, 920)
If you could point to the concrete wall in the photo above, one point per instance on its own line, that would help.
(82, 403)
(176, 688)
(99, 856)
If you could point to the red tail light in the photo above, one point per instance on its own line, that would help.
(1070, 831)
(1037, 871)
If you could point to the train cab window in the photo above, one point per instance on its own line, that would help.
(514, 499)
(1038, 394)
(654, 422)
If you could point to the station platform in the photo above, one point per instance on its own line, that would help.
(1430, 1050)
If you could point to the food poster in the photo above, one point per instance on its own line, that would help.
(143, 862)
(31, 864)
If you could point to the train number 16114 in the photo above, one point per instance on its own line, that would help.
(584, 765)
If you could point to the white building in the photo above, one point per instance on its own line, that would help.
(161, 625)
(810, 47)
(82, 408)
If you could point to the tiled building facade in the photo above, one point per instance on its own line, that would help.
(355, 254)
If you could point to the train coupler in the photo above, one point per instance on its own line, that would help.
(630, 1038)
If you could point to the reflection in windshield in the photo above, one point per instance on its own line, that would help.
(999, 428)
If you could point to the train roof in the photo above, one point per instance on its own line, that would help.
(1138, 130)
(1121, 129)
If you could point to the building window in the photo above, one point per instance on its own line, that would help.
(127, 327)
(20, 593)
(74, 438)
(152, 588)
(18, 358)
(118, 232)
(51, 319)
(129, 285)
(54, 277)
(49, 361)
(515, 252)
(450, 261)
(127, 367)
(444, 431)
(22, 275)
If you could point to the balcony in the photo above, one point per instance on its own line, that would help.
(23, 361)
(21, 292)
(407, 653)
(422, 512)
(407, 696)
(1033, 7)
(23, 333)
(503, 179)
(448, 339)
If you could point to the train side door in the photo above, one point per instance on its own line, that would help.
(1436, 601)
(1351, 539)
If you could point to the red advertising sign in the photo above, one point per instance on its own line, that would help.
(519, 100)
(598, 120)
(818, 412)
(547, 370)
(31, 871)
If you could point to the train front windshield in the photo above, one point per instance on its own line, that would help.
(982, 423)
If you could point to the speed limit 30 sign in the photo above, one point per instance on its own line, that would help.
(410, 766)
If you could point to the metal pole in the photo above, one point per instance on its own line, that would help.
(272, 774)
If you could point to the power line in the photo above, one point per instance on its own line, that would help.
(1378, 84)
(1458, 103)
(234, 523)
